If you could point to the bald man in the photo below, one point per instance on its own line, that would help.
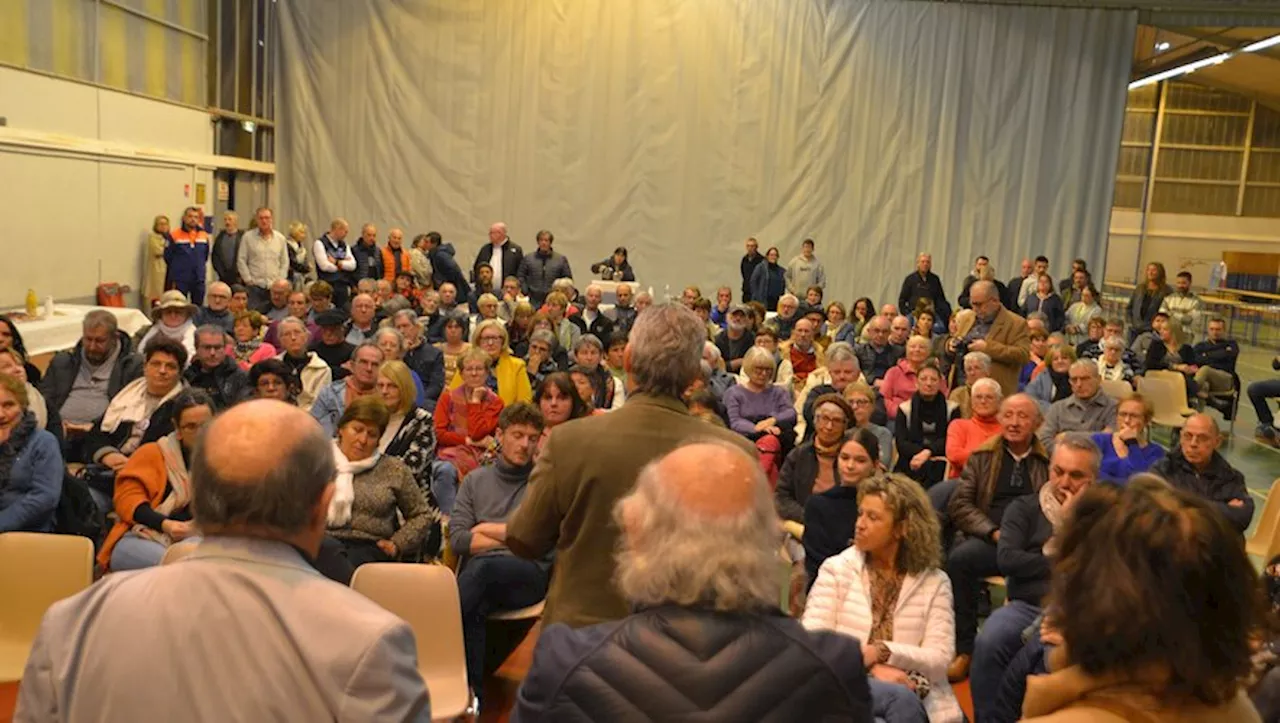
(501, 253)
(335, 263)
(1196, 466)
(698, 562)
(395, 256)
(368, 256)
(244, 628)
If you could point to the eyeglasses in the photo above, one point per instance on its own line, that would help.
(1075, 379)
(490, 340)
(830, 420)
(209, 347)
(860, 402)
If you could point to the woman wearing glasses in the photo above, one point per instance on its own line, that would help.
(862, 399)
(1128, 450)
(507, 372)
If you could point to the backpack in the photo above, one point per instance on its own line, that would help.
(77, 513)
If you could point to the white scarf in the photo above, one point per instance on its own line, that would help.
(344, 485)
(184, 335)
(130, 404)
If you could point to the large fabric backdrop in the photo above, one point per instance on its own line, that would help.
(679, 127)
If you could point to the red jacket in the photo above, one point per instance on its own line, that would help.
(457, 418)
(963, 437)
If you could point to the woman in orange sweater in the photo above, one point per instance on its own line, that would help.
(153, 491)
(467, 415)
(966, 435)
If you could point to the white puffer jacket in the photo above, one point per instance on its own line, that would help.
(923, 623)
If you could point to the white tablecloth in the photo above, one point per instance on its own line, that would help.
(44, 336)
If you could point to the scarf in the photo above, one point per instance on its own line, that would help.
(245, 349)
(935, 410)
(130, 405)
(10, 450)
(1061, 384)
(344, 485)
(175, 469)
(1054, 513)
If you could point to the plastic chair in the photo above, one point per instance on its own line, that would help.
(177, 551)
(1164, 399)
(38, 570)
(1178, 384)
(426, 597)
(1265, 540)
(1117, 389)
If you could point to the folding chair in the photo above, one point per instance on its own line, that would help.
(1178, 384)
(1116, 388)
(426, 597)
(1265, 541)
(38, 570)
(1164, 399)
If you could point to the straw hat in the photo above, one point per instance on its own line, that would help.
(173, 299)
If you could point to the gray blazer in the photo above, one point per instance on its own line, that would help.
(242, 630)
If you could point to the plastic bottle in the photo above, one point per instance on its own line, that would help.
(48, 307)
(33, 303)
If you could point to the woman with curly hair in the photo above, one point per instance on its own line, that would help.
(888, 592)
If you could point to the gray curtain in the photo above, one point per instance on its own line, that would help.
(679, 127)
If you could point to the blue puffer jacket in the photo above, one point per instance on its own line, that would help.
(444, 268)
(29, 497)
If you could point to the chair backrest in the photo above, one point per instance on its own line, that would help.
(177, 551)
(1177, 385)
(1261, 543)
(38, 570)
(1116, 388)
(1162, 396)
(426, 597)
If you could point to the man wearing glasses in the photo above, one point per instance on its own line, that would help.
(1195, 466)
(1088, 409)
(214, 371)
(995, 331)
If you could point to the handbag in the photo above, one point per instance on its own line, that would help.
(112, 294)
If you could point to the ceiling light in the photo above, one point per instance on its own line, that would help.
(1180, 70)
(1261, 44)
(1162, 46)
(249, 126)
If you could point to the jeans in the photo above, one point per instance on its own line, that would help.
(489, 584)
(444, 485)
(1029, 660)
(135, 553)
(1259, 394)
(102, 500)
(997, 644)
(969, 562)
(893, 703)
(194, 290)
(940, 496)
(259, 299)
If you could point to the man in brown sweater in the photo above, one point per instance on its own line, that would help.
(587, 465)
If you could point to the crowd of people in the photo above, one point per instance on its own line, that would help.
(320, 406)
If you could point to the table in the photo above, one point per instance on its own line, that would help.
(45, 336)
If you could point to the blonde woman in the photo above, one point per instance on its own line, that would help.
(888, 592)
(156, 267)
(300, 272)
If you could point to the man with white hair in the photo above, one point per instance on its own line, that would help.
(215, 310)
(590, 463)
(977, 365)
(788, 315)
(367, 254)
(594, 319)
(719, 380)
(643, 301)
(501, 253)
(1088, 409)
(736, 339)
(624, 314)
(842, 368)
(698, 566)
(262, 258)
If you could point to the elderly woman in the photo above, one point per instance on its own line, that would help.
(410, 436)
(153, 491)
(862, 400)
(378, 513)
(965, 435)
(487, 307)
(541, 360)
(566, 331)
(455, 344)
(811, 467)
(312, 372)
(12, 364)
(174, 318)
(508, 372)
(467, 415)
(900, 382)
(1054, 383)
(559, 402)
(1111, 366)
(273, 379)
(760, 410)
(828, 516)
(519, 328)
(250, 348)
(888, 592)
(920, 432)
(1157, 648)
(588, 353)
(296, 242)
(156, 269)
(1090, 347)
(30, 464)
(1128, 450)
(977, 365)
(841, 370)
(142, 411)
(837, 326)
(1080, 314)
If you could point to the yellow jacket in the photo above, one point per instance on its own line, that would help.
(513, 380)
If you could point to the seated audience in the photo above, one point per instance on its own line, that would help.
(1039, 339)
(594, 319)
(490, 578)
(628, 307)
(697, 565)
(1030, 533)
(887, 593)
(332, 347)
(829, 516)
(585, 383)
(214, 371)
(273, 379)
(840, 370)
(467, 415)
(811, 467)
(718, 381)
(1053, 383)
(976, 365)
(559, 402)
(1159, 647)
(1196, 467)
(900, 381)
(924, 324)
(877, 356)
(216, 310)
(153, 491)
(541, 360)
(392, 345)
(30, 464)
(410, 436)
(13, 364)
(588, 354)
(260, 484)
(1145, 339)
(277, 306)
(1129, 450)
(298, 309)
(766, 339)
(760, 410)
(788, 314)
(965, 435)
(997, 473)
(888, 312)
(800, 357)
(377, 512)
(313, 373)
(1260, 394)
(508, 374)
(863, 311)
(455, 344)
(361, 382)
(1110, 361)
(1091, 346)
(519, 327)
(557, 310)
(249, 346)
(862, 399)
(173, 318)
(1088, 409)
(920, 430)
(1216, 358)
(1169, 352)
(140, 412)
(1080, 319)
(79, 383)
(486, 306)
(364, 319)
(239, 300)
(736, 339)
(11, 338)
(836, 326)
